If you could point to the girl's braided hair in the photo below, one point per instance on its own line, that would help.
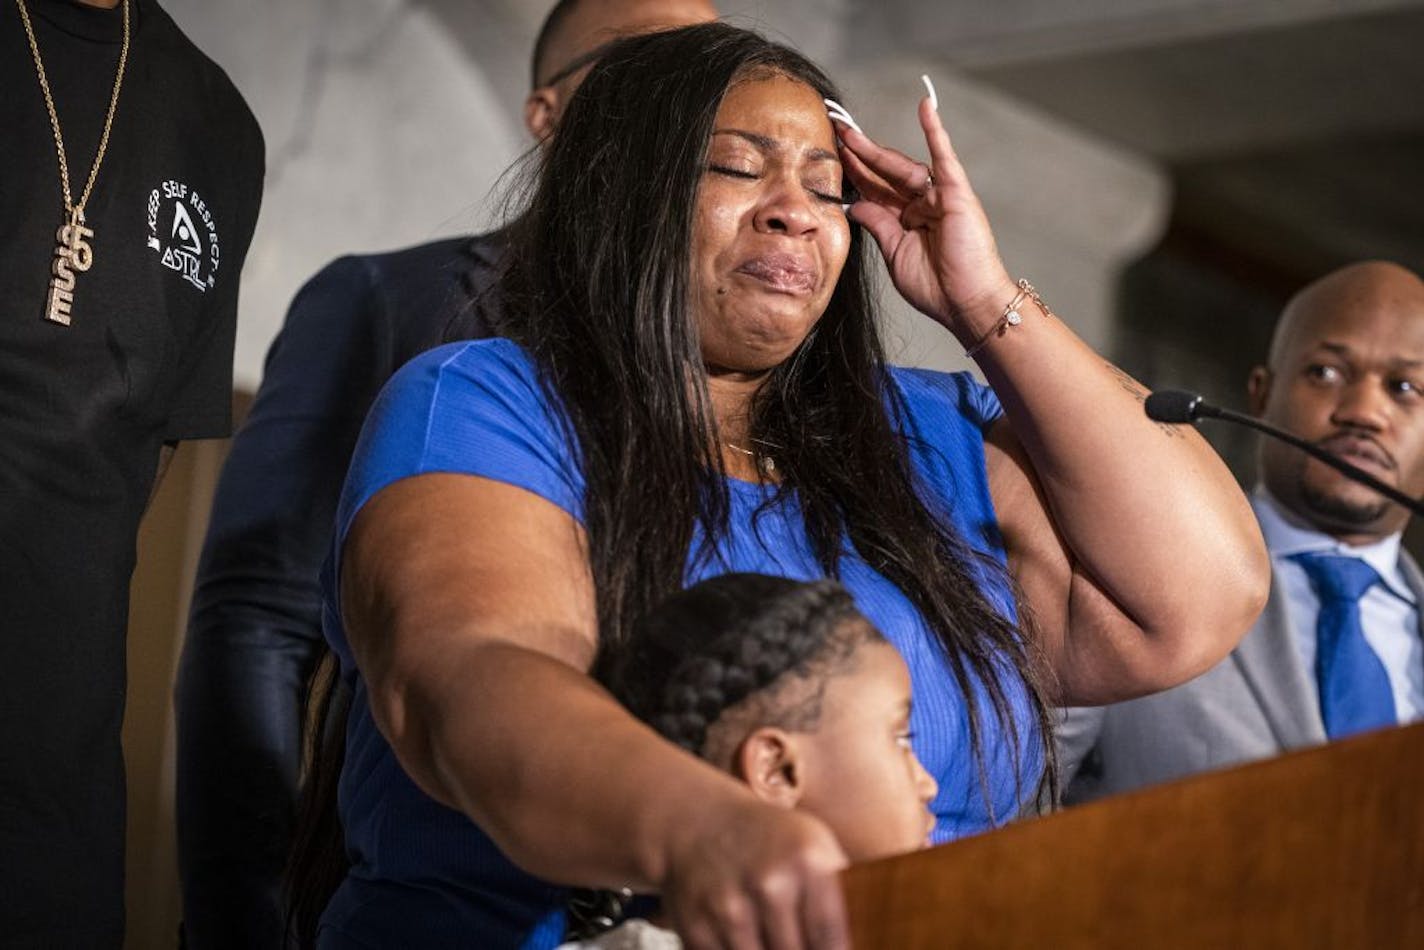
(731, 639)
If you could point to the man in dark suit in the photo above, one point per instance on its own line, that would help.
(254, 634)
(1338, 649)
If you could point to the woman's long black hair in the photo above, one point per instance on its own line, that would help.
(598, 290)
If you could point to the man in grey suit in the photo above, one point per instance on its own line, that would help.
(1338, 649)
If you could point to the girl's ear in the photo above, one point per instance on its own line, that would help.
(771, 762)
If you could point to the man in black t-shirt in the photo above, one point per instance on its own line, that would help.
(118, 300)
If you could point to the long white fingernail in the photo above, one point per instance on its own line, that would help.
(840, 113)
(929, 87)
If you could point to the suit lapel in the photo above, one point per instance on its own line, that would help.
(1271, 666)
(1414, 578)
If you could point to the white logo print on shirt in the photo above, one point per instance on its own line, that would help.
(181, 229)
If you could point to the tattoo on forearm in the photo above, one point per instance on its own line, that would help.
(1137, 391)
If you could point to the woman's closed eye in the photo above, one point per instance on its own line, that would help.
(828, 192)
(730, 172)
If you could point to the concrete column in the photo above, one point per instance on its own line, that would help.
(380, 130)
(1068, 210)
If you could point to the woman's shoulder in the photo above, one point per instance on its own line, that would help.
(498, 355)
(489, 376)
(928, 394)
(944, 417)
(473, 408)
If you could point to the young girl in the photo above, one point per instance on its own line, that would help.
(785, 685)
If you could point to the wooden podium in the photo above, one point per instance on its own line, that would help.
(1321, 848)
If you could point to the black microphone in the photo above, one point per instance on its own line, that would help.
(1176, 407)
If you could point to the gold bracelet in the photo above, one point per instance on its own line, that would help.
(1011, 316)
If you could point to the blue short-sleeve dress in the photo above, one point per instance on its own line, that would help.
(424, 875)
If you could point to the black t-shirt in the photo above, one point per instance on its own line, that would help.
(85, 409)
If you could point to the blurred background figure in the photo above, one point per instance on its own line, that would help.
(1339, 649)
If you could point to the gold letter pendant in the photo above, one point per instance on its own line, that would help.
(73, 254)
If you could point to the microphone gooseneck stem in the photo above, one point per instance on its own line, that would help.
(1205, 410)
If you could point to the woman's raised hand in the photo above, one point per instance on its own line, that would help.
(928, 223)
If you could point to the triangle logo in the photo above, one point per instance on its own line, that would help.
(183, 231)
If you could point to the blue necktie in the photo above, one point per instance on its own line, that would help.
(1355, 694)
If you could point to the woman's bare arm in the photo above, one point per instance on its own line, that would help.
(1135, 550)
(1140, 561)
(469, 608)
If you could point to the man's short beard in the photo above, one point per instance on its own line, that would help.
(1339, 510)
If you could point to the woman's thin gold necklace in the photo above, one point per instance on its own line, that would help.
(75, 254)
(765, 462)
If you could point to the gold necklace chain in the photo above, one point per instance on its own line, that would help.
(69, 206)
(765, 462)
(75, 254)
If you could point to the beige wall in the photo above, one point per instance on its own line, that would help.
(168, 546)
